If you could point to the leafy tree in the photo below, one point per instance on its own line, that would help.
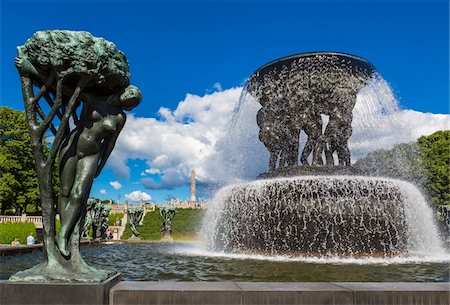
(18, 181)
(403, 162)
(435, 152)
(424, 163)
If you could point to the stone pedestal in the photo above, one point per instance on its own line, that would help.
(134, 238)
(166, 238)
(57, 293)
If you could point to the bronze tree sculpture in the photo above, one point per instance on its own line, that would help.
(100, 220)
(166, 214)
(85, 82)
(89, 217)
(135, 215)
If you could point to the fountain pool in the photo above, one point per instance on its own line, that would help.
(191, 262)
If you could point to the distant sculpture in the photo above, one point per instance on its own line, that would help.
(100, 220)
(294, 93)
(84, 79)
(96, 219)
(135, 215)
(89, 219)
(167, 214)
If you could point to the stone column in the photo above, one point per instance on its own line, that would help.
(193, 197)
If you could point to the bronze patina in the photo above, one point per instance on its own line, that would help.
(85, 82)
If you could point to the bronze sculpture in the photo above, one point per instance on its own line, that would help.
(72, 70)
(294, 92)
(100, 220)
(89, 217)
(166, 214)
(135, 215)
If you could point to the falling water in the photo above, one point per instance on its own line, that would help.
(243, 156)
(318, 217)
(323, 217)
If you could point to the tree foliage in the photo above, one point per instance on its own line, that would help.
(185, 225)
(18, 180)
(435, 152)
(19, 189)
(424, 163)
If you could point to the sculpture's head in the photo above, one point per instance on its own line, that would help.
(130, 98)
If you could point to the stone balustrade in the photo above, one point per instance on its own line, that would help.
(37, 220)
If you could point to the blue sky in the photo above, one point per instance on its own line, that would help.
(180, 47)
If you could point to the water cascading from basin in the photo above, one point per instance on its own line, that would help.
(314, 215)
(322, 216)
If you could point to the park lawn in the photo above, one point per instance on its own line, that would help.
(185, 225)
(9, 231)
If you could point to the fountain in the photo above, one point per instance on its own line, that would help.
(313, 202)
(311, 217)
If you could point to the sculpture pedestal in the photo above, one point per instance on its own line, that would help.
(57, 293)
(134, 238)
(166, 238)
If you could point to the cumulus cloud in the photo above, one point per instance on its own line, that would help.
(138, 196)
(103, 192)
(116, 185)
(152, 171)
(177, 141)
(217, 135)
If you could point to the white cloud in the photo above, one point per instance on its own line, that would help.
(218, 86)
(116, 185)
(152, 171)
(204, 133)
(403, 126)
(138, 196)
(178, 141)
(103, 192)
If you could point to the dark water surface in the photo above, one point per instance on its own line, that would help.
(183, 262)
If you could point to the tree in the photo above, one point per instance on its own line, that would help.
(424, 163)
(403, 162)
(18, 181)
(436, 159)
(19, 190)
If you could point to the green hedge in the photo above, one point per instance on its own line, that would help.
(57, 225)
(185, 225)
(9, 231)
(112, 218)
(149, 229)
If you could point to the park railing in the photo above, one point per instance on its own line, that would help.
(37, 220)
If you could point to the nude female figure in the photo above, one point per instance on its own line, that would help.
(85, 150)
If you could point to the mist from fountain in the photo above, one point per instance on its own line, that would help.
(243, 156)
(416, 234)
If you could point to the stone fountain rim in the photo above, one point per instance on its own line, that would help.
(364, 62)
